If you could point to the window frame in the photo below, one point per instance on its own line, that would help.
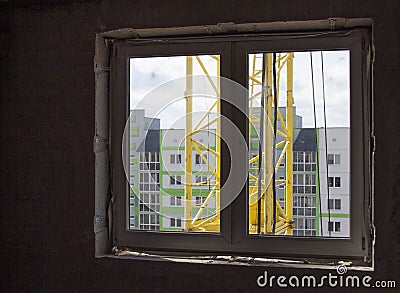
(334, 181)
(175, 201)
(334, 205)
(199, 160)
(335, 160)
(334, 226)
(234, 237)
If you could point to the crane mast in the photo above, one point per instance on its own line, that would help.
(266, 214)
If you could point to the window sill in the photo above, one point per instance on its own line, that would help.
(237, 260)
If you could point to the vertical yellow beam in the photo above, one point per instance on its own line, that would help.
(268, 148)
(188, 144)
(252, 208)
(218, 141)
(289, 151)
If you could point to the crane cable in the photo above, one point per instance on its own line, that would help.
(261, 139)
(208, 146)
(326, 139)
(316, 141)
(274, 140)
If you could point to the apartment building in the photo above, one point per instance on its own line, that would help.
(321, 191)
(335, 181)
(157, 177)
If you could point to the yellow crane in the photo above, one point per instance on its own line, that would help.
(262, 217)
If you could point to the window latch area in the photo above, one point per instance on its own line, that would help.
(100, 67)
(99, 223)
(100, 144)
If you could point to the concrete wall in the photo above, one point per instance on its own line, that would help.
(47, 128)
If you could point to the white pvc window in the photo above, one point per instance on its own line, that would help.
(233, 235)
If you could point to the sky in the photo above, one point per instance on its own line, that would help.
(153, 78)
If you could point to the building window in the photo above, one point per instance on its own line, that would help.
(334, 181)
(334, 204)
(304, 184)
(175, 223)
(132, 224)
(304, 161)
(202, 179)
(149, 181)
(149, 222)
(175, 159)
(175, 180)
(199, 200)
(280, 184)
(199, 159)
(334, 226)
(175, 200)
(304, 206)
(149, 161)
(149, 202)
(334, 159)
(305, 227)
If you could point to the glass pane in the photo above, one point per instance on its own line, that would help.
(174, 134)
(330, 159)
(293, 143)
(337, 159)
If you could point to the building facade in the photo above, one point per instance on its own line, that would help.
(156, 176)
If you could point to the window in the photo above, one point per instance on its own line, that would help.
(199, 159)
(149, 222)
(334, 226)
(236, 228)
(304, 161)
(199, 200)
(149, 202)
(334, 159)
(149, 181)
(132, 224)
(304, 183)
(175, 180)
(175, 159)
(176, 223)
(202, 179)
(175, 200)
(334, 181)
(304, 206)
(305, 227)
(149, 161)
(334, 204)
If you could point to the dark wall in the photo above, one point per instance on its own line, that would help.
(47, 128)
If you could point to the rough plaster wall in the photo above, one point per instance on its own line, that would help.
(47, 127)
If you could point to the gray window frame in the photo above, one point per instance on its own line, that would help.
(234, 238)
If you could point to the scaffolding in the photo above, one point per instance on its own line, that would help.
(266, 214)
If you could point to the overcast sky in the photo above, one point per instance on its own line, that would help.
(150, 79)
